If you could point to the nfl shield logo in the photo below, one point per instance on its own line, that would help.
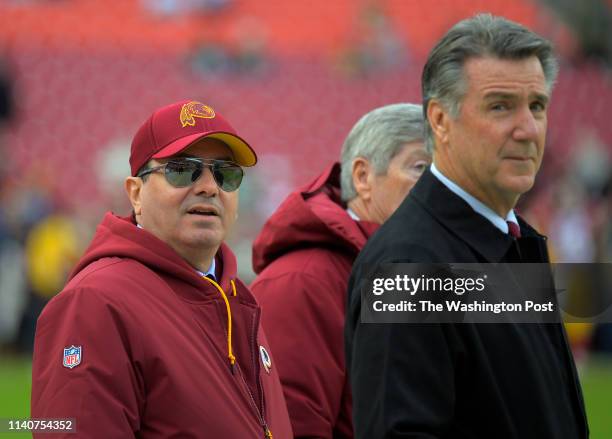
(72, 356)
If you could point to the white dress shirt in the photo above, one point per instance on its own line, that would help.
(476, 204)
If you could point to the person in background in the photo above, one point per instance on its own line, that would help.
(304, 256)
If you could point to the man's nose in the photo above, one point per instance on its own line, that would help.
(527, 126)
(206, 184)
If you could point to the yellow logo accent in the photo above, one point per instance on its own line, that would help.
(195, 109)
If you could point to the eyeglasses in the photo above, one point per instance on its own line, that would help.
(186, 171)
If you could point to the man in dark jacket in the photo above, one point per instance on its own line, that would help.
(154, 336)
(304, 256)
(486, 88)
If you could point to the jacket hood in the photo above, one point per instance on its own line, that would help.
(313, 215)
(120, 237)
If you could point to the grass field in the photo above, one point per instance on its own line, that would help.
(15, 386)
(596, 379)
(596, 383)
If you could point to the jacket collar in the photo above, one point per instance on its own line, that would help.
(459, 218)
(477, 205)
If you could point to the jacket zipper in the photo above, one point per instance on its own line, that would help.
(236, 367)
(260, 415)
(257, 369)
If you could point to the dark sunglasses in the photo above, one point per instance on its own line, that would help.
(185, 171)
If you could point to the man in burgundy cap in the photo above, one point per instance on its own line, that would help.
(154, 336)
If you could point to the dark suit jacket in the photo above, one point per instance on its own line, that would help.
(457, 380)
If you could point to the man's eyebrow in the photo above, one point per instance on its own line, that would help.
(510, 96)
(420, 153)
(220, 157)
(544, 98)
(499, 95)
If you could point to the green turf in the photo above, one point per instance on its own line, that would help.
(596, 378)
(15, 385)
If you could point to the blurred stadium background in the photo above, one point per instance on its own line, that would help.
(77, 77)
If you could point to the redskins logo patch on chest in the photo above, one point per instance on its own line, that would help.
(194, 109)
(266, 360)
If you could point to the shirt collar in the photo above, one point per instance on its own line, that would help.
(211, 270)
(352, 214)
(476, 204)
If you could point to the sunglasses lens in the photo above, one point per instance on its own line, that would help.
(228, 177)
(182, 174)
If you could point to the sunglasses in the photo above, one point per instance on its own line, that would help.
(186, 171)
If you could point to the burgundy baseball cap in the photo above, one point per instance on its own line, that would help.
(175, 127)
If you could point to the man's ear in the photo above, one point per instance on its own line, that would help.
(362, 172)
(133, 188)
(439, 120)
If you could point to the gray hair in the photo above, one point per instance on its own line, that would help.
(480, 36)
(377, 137)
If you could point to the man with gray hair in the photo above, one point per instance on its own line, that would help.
(304, 256)
(486, 90)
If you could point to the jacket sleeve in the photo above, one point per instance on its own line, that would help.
(401, 375)
(104, 392)
(303, 317)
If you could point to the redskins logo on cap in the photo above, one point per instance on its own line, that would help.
(194, 109)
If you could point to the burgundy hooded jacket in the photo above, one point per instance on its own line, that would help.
(304, 256)
(148, 347)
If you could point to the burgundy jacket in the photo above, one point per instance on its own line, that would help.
(304, 256)
(154, 358)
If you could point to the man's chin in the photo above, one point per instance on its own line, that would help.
(203, 240)
(519, 184)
